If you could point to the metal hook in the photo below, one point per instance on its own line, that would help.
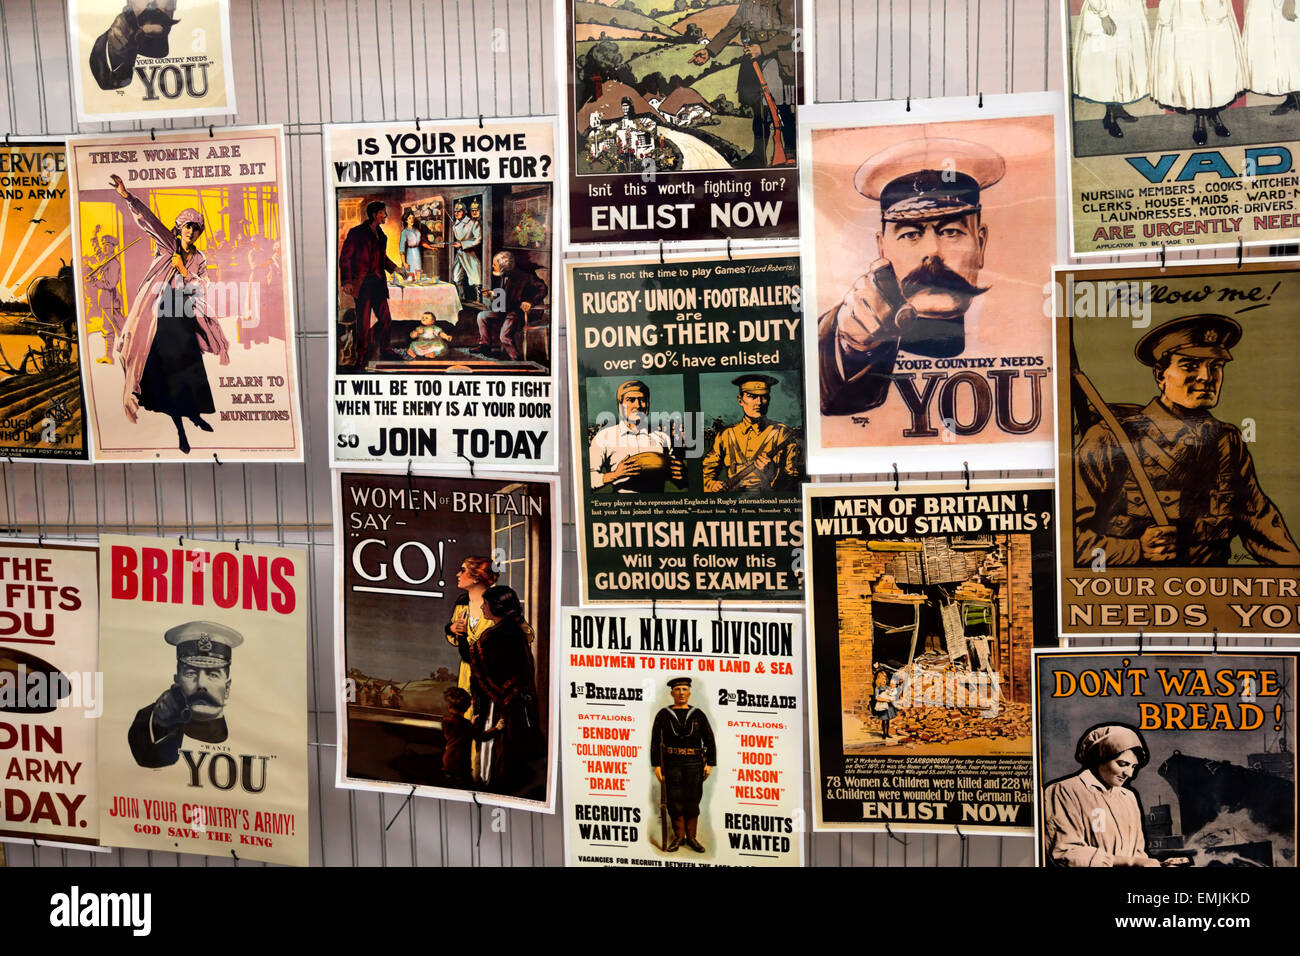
(478, 813)
(965, 467)
(405, 804)
(895, 476)
(719, 609)
(894, 836)
(215, 458)
(661, 252)
(729, 249)
(236, 544)
(1215, 648)
(909, 104)
(154, 139)
(1162, 257)
(232, 853)
(417, 124)
(480, 120)
(1239, 249)
(471, 465)
(654, 608)
(981, 102)
(1141, 638)
(180, 541)
(40, 540)
(211, 132)
(6, 139)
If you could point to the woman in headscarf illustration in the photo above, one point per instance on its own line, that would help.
(169, 327)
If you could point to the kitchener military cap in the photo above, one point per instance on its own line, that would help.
(679, 682)
(929, 178)
(755, 384)
(203, 644)
(632, 386)
(1200, 336)
(1108, 742)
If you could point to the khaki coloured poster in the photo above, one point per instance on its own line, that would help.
(929, 231)
(203, 741)
(1184, 121)
(186, 270)
(151, 59)
(51, 693)
(1176, 436)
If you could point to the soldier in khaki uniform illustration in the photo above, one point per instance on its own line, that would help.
(754, 454)
(1198, 467)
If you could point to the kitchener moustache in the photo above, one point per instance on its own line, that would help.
(202, 697)
(154, 16)
(934, 275)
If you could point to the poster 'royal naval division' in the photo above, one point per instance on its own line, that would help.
(443, 635)
(688, 419)
(1184, 123)
(929, 603)
(42, 405)
(1175, 758)
(203, 740)
(185, 268)
(929, 231)
(51, 693)
(442, 252)
(683, 739)
(151, 59)
(1178, 486)
(680, 119)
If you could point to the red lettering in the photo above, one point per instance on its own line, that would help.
(225, 579)
(125, 583)
(254, 582)
(153, 574)
(285, 600)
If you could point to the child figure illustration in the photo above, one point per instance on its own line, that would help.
(459, 734)
(429, 339)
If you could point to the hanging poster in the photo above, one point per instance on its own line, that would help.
(928, 231)
(680, 120)
(923, 607)
(686, 391)
(441, 267)
(41, 399)
(683, 735)
(1173, 758)
(51, 691)
(203, 741)
(1184, 118)
(151, 59)
(186, 270)
(446, 608)
(1178, 486)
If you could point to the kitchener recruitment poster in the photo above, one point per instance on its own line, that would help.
(1178, 487)
(928, 229)
(681, 119)
(683, 739)
(42, 404)
(441, 262)
(185, 267)
(929, 601)
(203, 740)
(447, 605)
(51, 693)
(687, 400)
(1184, 123)
(1175, 758)
(151, 59)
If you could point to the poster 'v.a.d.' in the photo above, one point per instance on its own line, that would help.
(1179, 492)
(929, 232)
(924, 605)
(41, 398)
(680, 119)
(186, 272)
(447, 608)
(683, 739)
(1184, 123)
(203, 741)
(1165, 757)
(151, 59)
(50, 693)
(687, 398)
(442, 248)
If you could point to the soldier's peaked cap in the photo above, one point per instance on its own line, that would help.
(680, 682)
(632, 386)
(921, 179)
(203, 643)
(755, 384)
(1207, 335)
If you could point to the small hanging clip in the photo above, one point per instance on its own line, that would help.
(236, 544)
(154, 139)
(895, 476)
(211, 132)
(1214, 649)
(40, 540)
(728, 248)
(909, 104)
(980, 104)
(719, 609)
(1239, 251)
(215, 458)
(1162, 257)
(417, 124)
(470, 461)
(661, 252)
(1141, 638)
(965, 469)
(654, 608)
(894, 836)
(480, 120)
(405, 804)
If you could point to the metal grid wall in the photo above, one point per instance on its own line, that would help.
(303, 63)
